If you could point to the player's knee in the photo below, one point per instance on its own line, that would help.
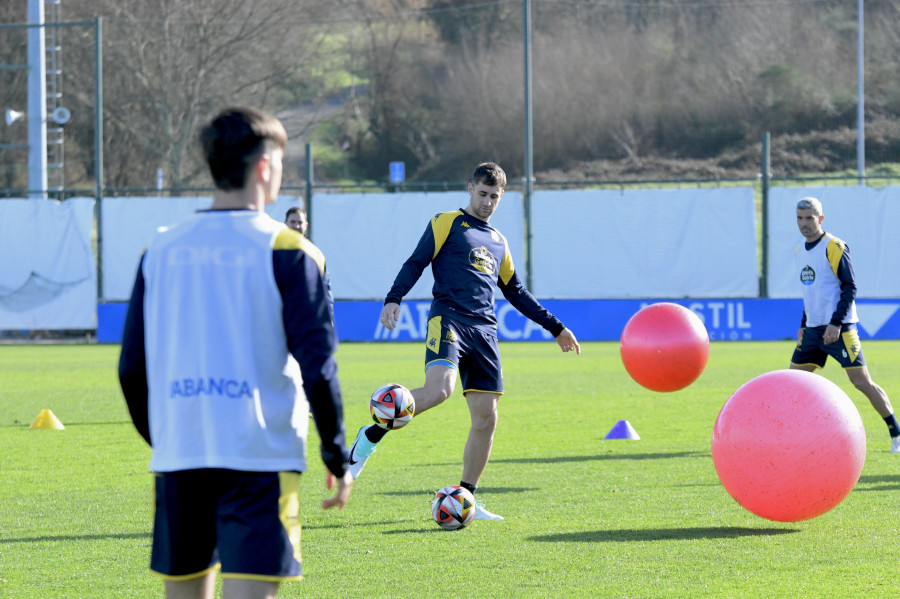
(439, 393)
(485, 419)
(863, 383)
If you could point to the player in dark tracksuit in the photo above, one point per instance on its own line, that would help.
(469, 259)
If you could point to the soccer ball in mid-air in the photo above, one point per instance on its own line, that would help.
(453, 507)
(392, 406)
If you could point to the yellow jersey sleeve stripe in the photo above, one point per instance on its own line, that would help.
(440, 228)
(834, 251)
(506, 265)
(288, 239)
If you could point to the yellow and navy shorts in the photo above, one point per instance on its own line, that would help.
(847, 350)
(246, 523)
(474, 351)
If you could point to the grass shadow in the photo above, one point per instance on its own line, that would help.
(888, 478)
(430, 493)
(128, 535)
(661, 534)
(878, 488)
(889, 482)
(604, 457)
(428, 530)
(104, 423)
(344, 525)
(410, 493)
(67, 424)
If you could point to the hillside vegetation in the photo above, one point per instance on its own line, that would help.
(639, 89)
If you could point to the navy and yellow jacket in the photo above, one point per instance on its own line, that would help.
(469, 260)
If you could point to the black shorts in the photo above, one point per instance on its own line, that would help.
(246, 522)
(474, 351)
(847, 350)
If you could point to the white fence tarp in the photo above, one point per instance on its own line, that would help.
(645, 243)
(587, 244)
(129, 223)
(47, 272)
(366, 238)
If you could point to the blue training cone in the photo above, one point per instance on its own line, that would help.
(623, 430)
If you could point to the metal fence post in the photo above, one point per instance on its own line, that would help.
(98, 148)
(309, 191)
(529, 158)
(766, 161)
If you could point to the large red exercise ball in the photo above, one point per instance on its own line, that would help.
(789, 445)
(664, 347)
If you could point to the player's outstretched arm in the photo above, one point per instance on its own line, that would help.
(389, 315)
(343, 490)
(567, 341)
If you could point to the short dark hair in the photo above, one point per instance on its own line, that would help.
(489, 173)
(235, 139)
(292, 210)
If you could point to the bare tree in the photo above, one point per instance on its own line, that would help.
(169, 64)
(439, 83)
(391, 48)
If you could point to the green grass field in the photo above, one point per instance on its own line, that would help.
(585, 517)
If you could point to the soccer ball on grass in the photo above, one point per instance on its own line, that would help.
(453, 507)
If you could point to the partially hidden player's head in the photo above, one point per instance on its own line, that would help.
(485, 190)
(242, 143)
(295, 218)
(810, 218)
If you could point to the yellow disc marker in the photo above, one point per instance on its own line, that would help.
(47, 420)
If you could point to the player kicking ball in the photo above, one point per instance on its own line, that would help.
(469, 259)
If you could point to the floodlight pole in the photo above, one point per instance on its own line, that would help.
(37, 105)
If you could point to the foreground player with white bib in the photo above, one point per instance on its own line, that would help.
(228, 342)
